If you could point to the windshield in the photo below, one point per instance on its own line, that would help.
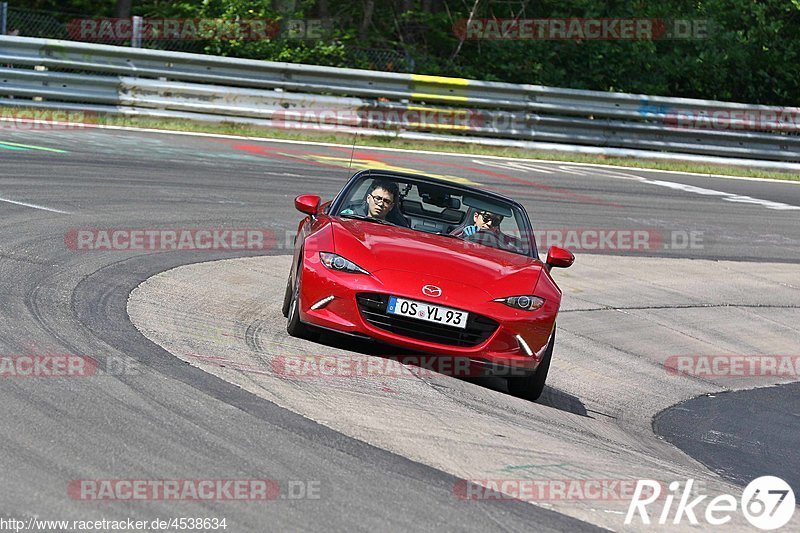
(439, 208)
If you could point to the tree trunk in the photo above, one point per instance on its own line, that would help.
(369, 8)
(323, 11)
(461, 40)
(123, 10)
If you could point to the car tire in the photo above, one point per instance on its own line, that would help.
(287, 297)
(294, 326)
(531, 387)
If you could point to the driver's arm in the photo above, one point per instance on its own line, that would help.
(466, 231)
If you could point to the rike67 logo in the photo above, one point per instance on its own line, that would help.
(767, 503)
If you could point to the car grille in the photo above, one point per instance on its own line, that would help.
(373, 309)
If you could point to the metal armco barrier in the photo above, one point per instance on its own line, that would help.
(122, 80)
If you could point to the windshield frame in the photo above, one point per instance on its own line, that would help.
(338, 202)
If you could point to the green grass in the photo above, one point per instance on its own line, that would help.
(464, 148)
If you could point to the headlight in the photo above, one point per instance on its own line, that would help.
(524, 302)
(339, 263)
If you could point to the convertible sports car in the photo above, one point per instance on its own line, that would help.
(431, 266)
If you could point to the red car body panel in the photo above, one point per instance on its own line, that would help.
(401, 261)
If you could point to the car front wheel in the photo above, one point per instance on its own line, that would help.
(294, 326)
(287, 298)
(531, 387)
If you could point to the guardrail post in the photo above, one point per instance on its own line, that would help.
(3, 17)
(136, 36)
(409, 61)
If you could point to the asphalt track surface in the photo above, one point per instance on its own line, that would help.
(740, 434)
(170, 420)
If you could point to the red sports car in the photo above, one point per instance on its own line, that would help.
(431, 266)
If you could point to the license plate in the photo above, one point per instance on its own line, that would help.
(428, 312)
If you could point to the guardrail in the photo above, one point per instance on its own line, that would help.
(120, 80)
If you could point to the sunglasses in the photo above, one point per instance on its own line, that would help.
(489, 218)
(382, 200)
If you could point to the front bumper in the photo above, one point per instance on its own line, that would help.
(329, 299)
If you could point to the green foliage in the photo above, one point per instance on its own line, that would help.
(750, 54)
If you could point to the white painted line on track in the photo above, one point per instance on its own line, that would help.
(428, 152)
(569, 170)
(730, 197)
(619, 175)
(513, 165)
(727, 196)
(34, 206)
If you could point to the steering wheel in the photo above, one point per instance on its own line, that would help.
(486, 238)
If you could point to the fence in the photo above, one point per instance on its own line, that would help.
(123, 80)
(63, 26)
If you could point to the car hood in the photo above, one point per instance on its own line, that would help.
(376, 247)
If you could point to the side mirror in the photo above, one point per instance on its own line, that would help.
(559, 257)
(308, 204)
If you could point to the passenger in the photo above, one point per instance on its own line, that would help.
(379, 202)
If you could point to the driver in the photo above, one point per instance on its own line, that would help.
(483, 221)
(488, 222)
(381, 198)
